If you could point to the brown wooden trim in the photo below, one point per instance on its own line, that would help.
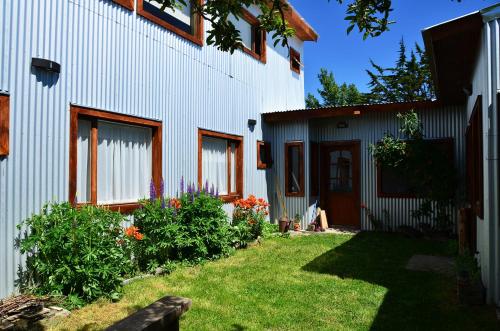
(197, 38)
(302, 29)
(301, 193)
(360, 110)
(267, 146)
(238, 140)
(93, 115)
(4, 125)
(129, 4)
(257, 33)
(295, 60)
(380, 194)
(475, 159)
(123, 208)
(314, 168)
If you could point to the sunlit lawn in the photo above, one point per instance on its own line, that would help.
(320, 282)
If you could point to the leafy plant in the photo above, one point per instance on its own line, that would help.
(249, 215)
(80, 253)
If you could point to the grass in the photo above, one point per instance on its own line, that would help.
(328, 282)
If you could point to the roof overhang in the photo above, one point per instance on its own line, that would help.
(452, 48)
(349, 111)
(303, 30)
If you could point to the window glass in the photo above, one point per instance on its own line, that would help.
(293, 169)
(179, 17)
(246, 30)
(83, 161)
(123, 163)
(215, 163)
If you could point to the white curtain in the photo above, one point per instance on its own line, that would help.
(214, 163)
(124, 157)
(233, 167)
(245, 29)
(83, 162)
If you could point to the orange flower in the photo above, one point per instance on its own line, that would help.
(176, 203)
(138, 236)
(131, 231)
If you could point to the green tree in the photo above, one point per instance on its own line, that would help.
(334, 95)
(409, 80)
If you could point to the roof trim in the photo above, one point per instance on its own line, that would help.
(355, 111)
(303, 30)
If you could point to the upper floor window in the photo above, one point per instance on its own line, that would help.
(252, 36)
(264, 158)
(220, 163)
(182, 21)
(113, 158)
(294, 169)
(295, 63)
(4, 125)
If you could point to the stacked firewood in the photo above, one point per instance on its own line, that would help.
(23, 312)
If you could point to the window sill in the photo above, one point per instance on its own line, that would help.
(261, 58)
(123, 208)
(296, 195)
(197, 38)
(230, 198)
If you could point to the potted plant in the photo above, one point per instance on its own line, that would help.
(296, 222)
(470, 289)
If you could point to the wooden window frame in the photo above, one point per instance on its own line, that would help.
(314, 168)
(475, 159)
(76, 113)
(267, 145)
(196, 38)
(129, 4)
(4, 125)
(380, 194)
(300, 193)
(238, 193)
(295, 57)
(257, 32)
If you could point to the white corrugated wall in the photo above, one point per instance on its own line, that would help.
(111, 59)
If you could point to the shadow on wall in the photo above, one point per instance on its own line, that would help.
(48, 79)
(414, 300)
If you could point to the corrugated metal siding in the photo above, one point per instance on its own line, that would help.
(114, 60)
(486, 82)
(370, 128)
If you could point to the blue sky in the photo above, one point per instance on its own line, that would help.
(347, 56)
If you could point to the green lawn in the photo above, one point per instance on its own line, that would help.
(327, 282)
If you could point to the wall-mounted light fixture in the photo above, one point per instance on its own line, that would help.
(251, 124)
(46, 65)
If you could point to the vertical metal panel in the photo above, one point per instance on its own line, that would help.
(115, 60)
(370, 128)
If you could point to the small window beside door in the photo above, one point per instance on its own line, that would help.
(294, 169)
(264, 158)
(220, 163)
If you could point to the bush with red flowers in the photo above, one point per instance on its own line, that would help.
(250, 218)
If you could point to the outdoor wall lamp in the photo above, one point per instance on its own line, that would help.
(47, 65)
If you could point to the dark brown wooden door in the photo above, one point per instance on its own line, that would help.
(340, 182)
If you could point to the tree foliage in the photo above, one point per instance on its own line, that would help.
(333, 94)
(409, 80)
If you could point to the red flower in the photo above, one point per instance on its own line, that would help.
(133, 232)
(363, 206)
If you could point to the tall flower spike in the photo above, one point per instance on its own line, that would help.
(162, 188)
(152, 191)
(217, 192)
(212, 190)
(182, 185)
(206, 186)
(189, 189)
(198, 192)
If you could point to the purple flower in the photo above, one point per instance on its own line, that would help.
(206, 186)
(169, 203)
(212, 190)
(217, 192)
(189, 189)
(182, 185)
(152, 191)
(198, 191)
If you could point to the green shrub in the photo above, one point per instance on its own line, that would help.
(192, 228)
(80, 253)
(249, 218)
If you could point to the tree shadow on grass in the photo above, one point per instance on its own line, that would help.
(414, 300)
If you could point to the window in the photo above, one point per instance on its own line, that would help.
(129, 4)
(474, 141)
(252, 36)
(113, 158)
(264, 158)
(4, 125)
(183, 22)
(294, 169)
(295, 63)
(220, 163)
(314, 172)
(392, 183)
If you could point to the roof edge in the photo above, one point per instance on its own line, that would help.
(303, 29)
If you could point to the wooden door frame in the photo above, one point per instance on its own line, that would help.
(356, 160)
